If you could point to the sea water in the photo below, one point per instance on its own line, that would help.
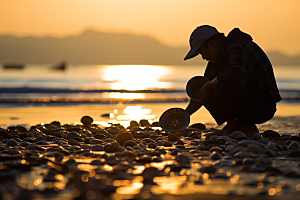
(159, 85)
(118, 81)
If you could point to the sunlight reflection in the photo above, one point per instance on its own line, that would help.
(135, 113)
(135, 77)
(119, 95)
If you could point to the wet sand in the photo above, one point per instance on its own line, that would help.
(91, 161)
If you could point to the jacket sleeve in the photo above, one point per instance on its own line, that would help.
(211, 71)
(239, 66)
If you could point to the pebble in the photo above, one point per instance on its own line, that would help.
(92, 158)
(239, 135)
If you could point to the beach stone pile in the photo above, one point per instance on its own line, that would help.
(89, 161)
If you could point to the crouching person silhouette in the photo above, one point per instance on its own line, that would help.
(242, 89)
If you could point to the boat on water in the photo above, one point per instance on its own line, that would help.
(13, 66)
(60, 66)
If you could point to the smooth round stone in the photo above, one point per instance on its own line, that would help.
(34, 147)
(254, 149)
(230, 148)
(173, 138)
(97, 148)
(148, 140)
(167, 144)
(239, 135)
(129, 143)
(286, 137)
(225, 138)
(248, 161)
(144, 159)
(158, 159)
(86, 120)
(151, 145)
(41, 142)
(239, 148)
(113, 130)
(195, 135)
(71, 161)
(100, 136)
(11, 143)
(144, 122)
(220, 133)
(270, 153)
(241, 154)
(122, 137)
(199, 126)
(216, 148)
(24, 143)
(182, 159)
(111, 147)
(133, 123)
(264, 160)
(270, 134)
(272, 146)
(73, 135)
(262, 145)
(215, 156)
(28, 139)
(293, 145)
(142, 146)
(17, 139)
(96, 141)
(73, 142)
(202, 147)
(264, 141)
(208, 169)
(244, 143)
(120, 149)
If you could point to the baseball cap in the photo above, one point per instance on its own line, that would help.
(198, 37)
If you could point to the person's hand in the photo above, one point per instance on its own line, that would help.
(207, 91)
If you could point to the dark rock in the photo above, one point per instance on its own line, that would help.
(208, 169)
(270, 134)
(144, 122)
(86, 120)
(239, 135)
(73, 135)
(122, 137)
(172, 137)
(167, 144)
(286, 137)
(97, 148)
(11, 143)
(74, 142)
(199, 126)
(111, 147)
(215, 156)
(151, 145)
(129, 143)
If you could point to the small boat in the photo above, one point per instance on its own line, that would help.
(60, 66)
(13, 66)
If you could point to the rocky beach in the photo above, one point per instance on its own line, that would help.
(142, 161)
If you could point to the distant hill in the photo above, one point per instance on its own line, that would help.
(93, 47)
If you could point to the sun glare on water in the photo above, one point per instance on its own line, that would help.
(135, 77)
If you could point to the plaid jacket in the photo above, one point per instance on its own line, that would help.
(244, 65)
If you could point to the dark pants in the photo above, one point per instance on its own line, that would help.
(245, 107)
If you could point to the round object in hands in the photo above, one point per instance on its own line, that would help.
(194, 85)
(174, 119)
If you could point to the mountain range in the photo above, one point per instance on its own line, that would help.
(92, 47)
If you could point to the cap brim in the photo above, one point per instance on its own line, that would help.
(192, 53)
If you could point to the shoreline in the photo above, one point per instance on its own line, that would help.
(285, 120)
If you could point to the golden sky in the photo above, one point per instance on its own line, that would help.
(274, 24)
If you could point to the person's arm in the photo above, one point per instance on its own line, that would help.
(205, 93)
